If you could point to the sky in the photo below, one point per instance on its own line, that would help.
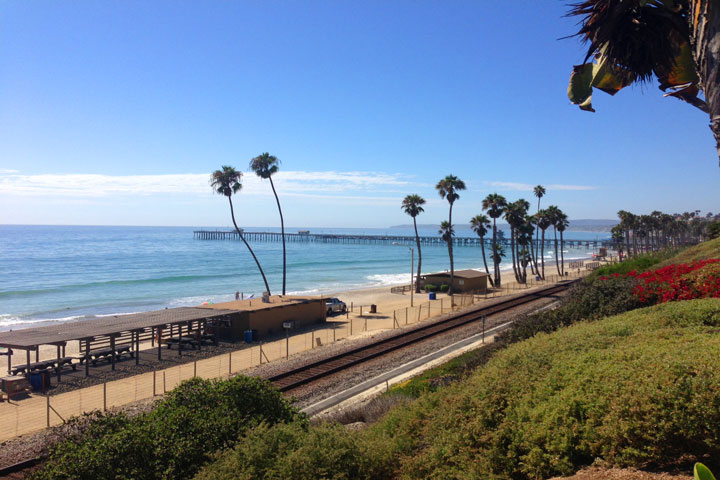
(117, 112)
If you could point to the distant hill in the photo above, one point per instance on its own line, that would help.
(580, 225)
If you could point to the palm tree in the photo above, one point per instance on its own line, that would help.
(515, 217)
(447, 232)
(562, 224)
(265, 166)
(539, 192)
(638, 40)
(511, 217)
(412, 205)
(494, 204)
(448, 188)
(480, 225)
(544, 222)
(226, 182)
(553, 213)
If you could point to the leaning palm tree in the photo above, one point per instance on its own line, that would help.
(412, 205)
(480, 225)
(448, 189)
(539, 192)
(495, 204)
(447, 232)
(265, 166)
(226, 182)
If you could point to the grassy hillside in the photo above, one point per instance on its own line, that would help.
(639, 389)
(709, 249)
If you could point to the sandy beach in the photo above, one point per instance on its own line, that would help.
(357, 300)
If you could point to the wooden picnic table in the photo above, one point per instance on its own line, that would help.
(194, 342)
(106, 353)
(54, 364)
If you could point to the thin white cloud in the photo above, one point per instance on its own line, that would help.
(526, 187)
(292, 183)
(7, 170)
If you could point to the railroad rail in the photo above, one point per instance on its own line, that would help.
(314, 371)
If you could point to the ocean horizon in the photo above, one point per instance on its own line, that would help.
(62, 273)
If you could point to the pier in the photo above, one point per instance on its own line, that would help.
(375, 239)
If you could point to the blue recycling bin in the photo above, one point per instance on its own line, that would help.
(38, 380)
(431, 295)
(248, 336)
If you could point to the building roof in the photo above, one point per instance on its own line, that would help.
(64, 332)
(464, 274)
(276, 301)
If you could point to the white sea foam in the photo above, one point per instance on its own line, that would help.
(383, 279)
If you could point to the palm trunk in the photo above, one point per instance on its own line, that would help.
(450, 251)
(557, 258)
(417, 242)
(257, 262)
(542, 255)
(562, 255)
(704, 32)
(482, 247)
(496, 270)
(282, 229)
(512, 251)
(533, 266)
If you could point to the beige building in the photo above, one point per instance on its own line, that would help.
(465, 281)
(266, 318)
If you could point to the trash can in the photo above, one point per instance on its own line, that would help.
(373, 308)
(431, 295)
(39, 380)
(248, 336)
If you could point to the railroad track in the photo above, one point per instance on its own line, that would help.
(314, 371)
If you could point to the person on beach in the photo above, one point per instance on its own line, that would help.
(237, 295)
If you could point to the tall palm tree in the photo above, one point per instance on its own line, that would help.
(553, 213)
(512, 219)
(544, 222)
(562, 224)
(447, 232)
(480, 225)
(265, 166)
(494, 204)
(412, 205)
(226, 182)
(448, 189)
(539, 192)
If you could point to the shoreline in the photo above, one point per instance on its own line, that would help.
(351, 291)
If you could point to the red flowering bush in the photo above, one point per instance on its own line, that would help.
(684, 281)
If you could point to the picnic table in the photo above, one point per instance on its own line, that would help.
(194, 342)
(54, 364)
(95, 356)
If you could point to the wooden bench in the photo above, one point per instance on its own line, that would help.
(193, 342)
(33, 367)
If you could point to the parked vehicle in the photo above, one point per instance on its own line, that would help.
(335, 305)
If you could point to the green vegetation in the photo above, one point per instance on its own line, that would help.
(638, 263)
(636, 389)
(430, 287)
(701, 251)
(175, 439)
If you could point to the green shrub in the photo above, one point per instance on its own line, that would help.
(174, 439)
(714, 230)
(638, 389)
(293, 451)
(430, 287)
(586, 301)
(444, 287)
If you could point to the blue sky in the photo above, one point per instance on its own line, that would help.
(116, 113)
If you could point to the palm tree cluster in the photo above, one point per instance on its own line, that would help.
(228, 181)
(647, 233)
(527, 231)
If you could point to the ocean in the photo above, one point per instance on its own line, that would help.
(63, 273)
